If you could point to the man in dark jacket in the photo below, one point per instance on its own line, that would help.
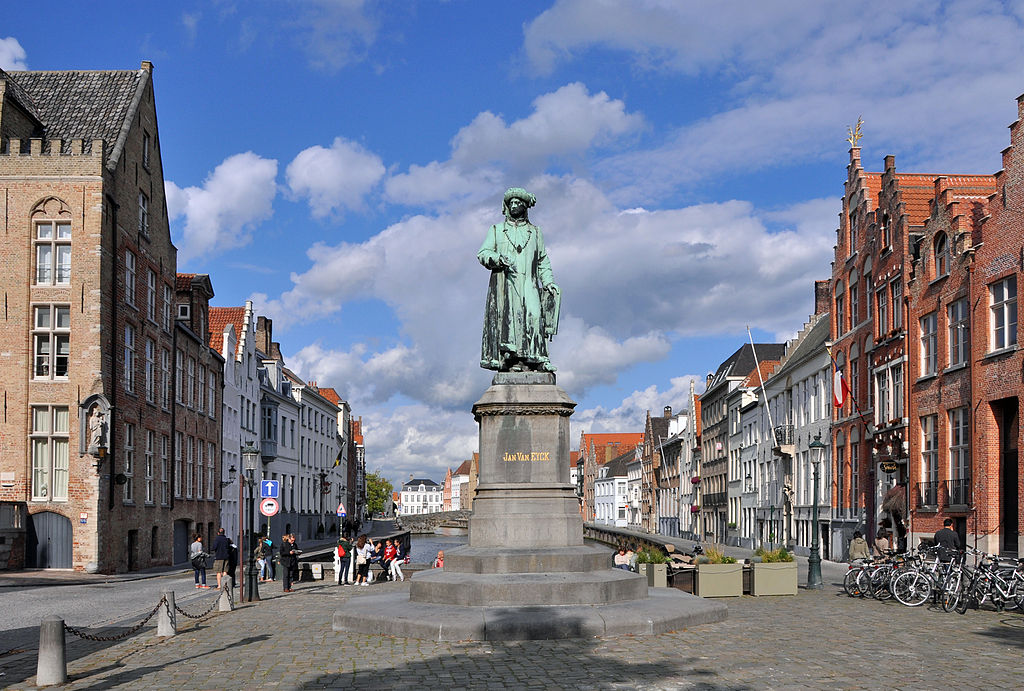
(221, 554)
(947, 539)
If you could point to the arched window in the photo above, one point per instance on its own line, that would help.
(854, 299)
(941, 255)
(840, 309)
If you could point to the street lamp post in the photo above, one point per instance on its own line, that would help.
(817, 448)
(250, 460)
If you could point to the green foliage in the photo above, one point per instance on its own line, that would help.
(717, 556)
(378, 492)
(769, 556)
(651, 556)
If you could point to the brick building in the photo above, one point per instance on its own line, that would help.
(89, 283)
(596, 450)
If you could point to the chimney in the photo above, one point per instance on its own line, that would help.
(668, 411)
(264, 334)
(707, 382)
(822, 297)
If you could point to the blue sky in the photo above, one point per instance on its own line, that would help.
(339, 161)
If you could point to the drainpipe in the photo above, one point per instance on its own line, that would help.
(112, 428)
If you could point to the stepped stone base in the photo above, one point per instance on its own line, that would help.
(394, 614)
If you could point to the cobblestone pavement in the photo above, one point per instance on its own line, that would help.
(818, 639)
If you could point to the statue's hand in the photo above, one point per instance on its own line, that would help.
(507, 264)
(551, 288)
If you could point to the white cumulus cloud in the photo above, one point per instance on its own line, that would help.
(220, 215)
(12, 55)
(335, 178)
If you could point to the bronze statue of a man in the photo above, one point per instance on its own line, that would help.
(521, 312)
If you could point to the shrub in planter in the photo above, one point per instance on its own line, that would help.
(776, 575)
(654, 564)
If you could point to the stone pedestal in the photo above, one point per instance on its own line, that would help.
(525, 573)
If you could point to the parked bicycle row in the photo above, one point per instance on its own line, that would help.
(952, 580)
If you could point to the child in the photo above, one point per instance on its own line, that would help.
(439, 562)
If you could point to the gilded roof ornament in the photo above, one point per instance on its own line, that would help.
(854, 133)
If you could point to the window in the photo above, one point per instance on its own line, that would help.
(49, 443)
(959, 445)
(1003, 295)
(179, 374)
(179, 441)
(151, 295)
(959, 333)
(143, 214)
(129, 358)
(200, 468)
(840, 312)
(854, 480)
(145, 150)
(883, 410)
(886, 232)
(941, 255)
(190, 396)
(897, 391)
(201, 398)
(929, 356)
(129, 277)
(165, 495)
(165, 378)
(896, 292)
(929, 458)
(853, 232)
(150, 370)
(150, 449)
(854, 300)
(167, 308)
(210, 451)
(840, 480)
(211, 386)
(882, 302)
(53, 253)
(269, 431)
(129, 463)
(190, 466)
(889, 386)
(51, 337)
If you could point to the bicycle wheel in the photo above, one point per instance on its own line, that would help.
(952, 592)
(851, 582)
(911, 588)
(880, 581)
(965, 597)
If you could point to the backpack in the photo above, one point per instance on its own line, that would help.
(341, 551)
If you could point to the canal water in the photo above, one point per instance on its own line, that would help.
(424, 548)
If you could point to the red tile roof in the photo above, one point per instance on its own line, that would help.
(183, 281)
(767, 367)
(618, 442)
(219, 318)
(330, 394)
(463, 469)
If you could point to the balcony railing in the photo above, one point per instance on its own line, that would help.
(958, 492)
(785, 435)
(716, 499)
(928, 495)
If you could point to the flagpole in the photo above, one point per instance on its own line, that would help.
(767, 408)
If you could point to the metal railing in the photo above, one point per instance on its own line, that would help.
(784, 435)
(715, 499)
(958, 492)
(928, 494)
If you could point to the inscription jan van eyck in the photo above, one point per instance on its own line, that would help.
(526, 456)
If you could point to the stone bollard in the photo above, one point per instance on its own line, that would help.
(52, 665)
(166, 624)
(227, 596)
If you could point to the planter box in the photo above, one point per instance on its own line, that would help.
(657, 574)
(720, 580)
(778, 578)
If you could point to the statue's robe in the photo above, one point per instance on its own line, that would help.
(513, 316)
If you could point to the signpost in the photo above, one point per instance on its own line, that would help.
(269, 506)
(341, 510)
(270, 489)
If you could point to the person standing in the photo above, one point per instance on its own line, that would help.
(364, 552)
(260, 553)
(221, 555)
(289, 561)
(342, 560)
(947, 540)
(197, 555)
(859, 547)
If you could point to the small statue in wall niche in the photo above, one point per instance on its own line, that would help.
(97, 428)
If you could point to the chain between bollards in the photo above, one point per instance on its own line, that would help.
(121, 636)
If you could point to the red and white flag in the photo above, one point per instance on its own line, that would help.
(840, 389)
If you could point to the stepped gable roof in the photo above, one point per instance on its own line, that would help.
(463, 468)
(916, 192)
(219, 318)
(741, 363)
(810, 341)
(80, 104)
(757, 375)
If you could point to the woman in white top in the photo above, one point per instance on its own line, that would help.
(364, 551)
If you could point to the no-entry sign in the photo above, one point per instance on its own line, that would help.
(269, 507)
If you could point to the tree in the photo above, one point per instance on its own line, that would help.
(378, 493)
